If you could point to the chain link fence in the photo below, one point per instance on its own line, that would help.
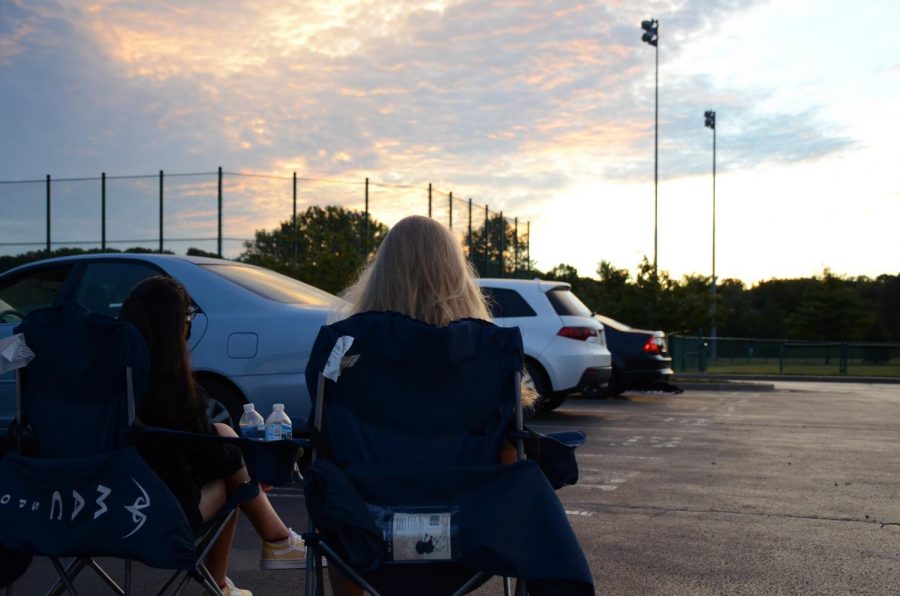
(219, 211)
(730, 355)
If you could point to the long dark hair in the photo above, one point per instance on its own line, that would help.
(158, 307)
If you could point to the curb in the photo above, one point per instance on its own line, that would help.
(687, 378)
(723, 386)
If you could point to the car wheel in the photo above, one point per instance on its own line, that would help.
(613, 387)
(225, 403)
(536, 378)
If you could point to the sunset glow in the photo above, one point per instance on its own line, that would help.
(541, 109)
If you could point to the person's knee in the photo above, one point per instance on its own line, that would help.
(224, 430)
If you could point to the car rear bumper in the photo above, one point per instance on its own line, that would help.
(594, 377)
(636, 376)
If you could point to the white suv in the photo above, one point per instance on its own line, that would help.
(565, 348)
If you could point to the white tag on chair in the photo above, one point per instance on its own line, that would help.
(333, 366)
(14, 353)
(421, 536)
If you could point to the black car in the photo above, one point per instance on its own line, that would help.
(640, 358)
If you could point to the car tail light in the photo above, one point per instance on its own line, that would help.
(579, 333)
(652, 346)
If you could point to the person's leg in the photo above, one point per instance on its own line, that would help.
(258, 510)
(212, 497)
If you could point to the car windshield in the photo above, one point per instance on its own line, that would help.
(566, 303)
(274, 286)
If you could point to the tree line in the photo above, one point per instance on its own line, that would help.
(327, 246)
(823, 307)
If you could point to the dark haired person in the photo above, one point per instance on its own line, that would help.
(201, 474)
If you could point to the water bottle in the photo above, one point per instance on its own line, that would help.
(278, 425)
(252, 425)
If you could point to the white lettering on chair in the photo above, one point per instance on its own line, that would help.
(22, 503)
(137, 517)
(56, 501)
(78, 503)
(35, 506)
(104, 492)
(5, 499)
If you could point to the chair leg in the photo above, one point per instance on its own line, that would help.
(507, 586)
(105, 577)
(207, 580)
(521, 588)
(71, 571)
(63, 576)
(127, 580)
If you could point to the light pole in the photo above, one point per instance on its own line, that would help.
(651, 36)
(710, 122)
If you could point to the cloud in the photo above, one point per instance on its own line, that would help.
(511, 103)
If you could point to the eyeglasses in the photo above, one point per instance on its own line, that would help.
(191, 313)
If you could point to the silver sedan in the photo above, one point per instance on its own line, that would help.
(250, 339)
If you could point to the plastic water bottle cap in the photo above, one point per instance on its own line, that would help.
(248, 407)
(279, 407)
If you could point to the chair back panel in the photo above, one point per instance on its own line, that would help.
(75, 392)
(415, 394)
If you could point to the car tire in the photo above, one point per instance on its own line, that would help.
(226, 404)
(613, 387)
(547, 399)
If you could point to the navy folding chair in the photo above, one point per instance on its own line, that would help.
(407, 493)
(86, 493)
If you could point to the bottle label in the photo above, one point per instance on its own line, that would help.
(277, 432)
(254, 431)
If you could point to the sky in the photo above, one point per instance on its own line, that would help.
(541, 109)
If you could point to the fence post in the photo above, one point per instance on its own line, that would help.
(48, 215)
(451, 211)
(844, 356)
(429, 199)
(469, 238)
(160, 211)
(516, 246)
(295, 236)
(366, 229)
(502, 244)
(103, 211)
(528, 245)
(219, 206)
(484, 241)
(701, 353)
(781, 353)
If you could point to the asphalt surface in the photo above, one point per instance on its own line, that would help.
(791, 490)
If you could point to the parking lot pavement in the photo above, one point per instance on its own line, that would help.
(791, 491)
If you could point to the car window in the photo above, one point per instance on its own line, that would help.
(105, 285)
(30, 290)
(504, 303)
(274, 286)
(566, 303)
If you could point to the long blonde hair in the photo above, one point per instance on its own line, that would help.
(419, 271)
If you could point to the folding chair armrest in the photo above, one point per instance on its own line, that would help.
(269, 462)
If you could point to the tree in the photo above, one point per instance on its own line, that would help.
(327, 248)
(199, 252)
(831, 309)
(493, 250)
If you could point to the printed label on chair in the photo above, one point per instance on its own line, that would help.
(418, 534)
(421, 537)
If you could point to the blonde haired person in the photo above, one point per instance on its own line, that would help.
(419, 271)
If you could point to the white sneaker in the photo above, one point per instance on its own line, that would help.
(289, 553)
(231, 590)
